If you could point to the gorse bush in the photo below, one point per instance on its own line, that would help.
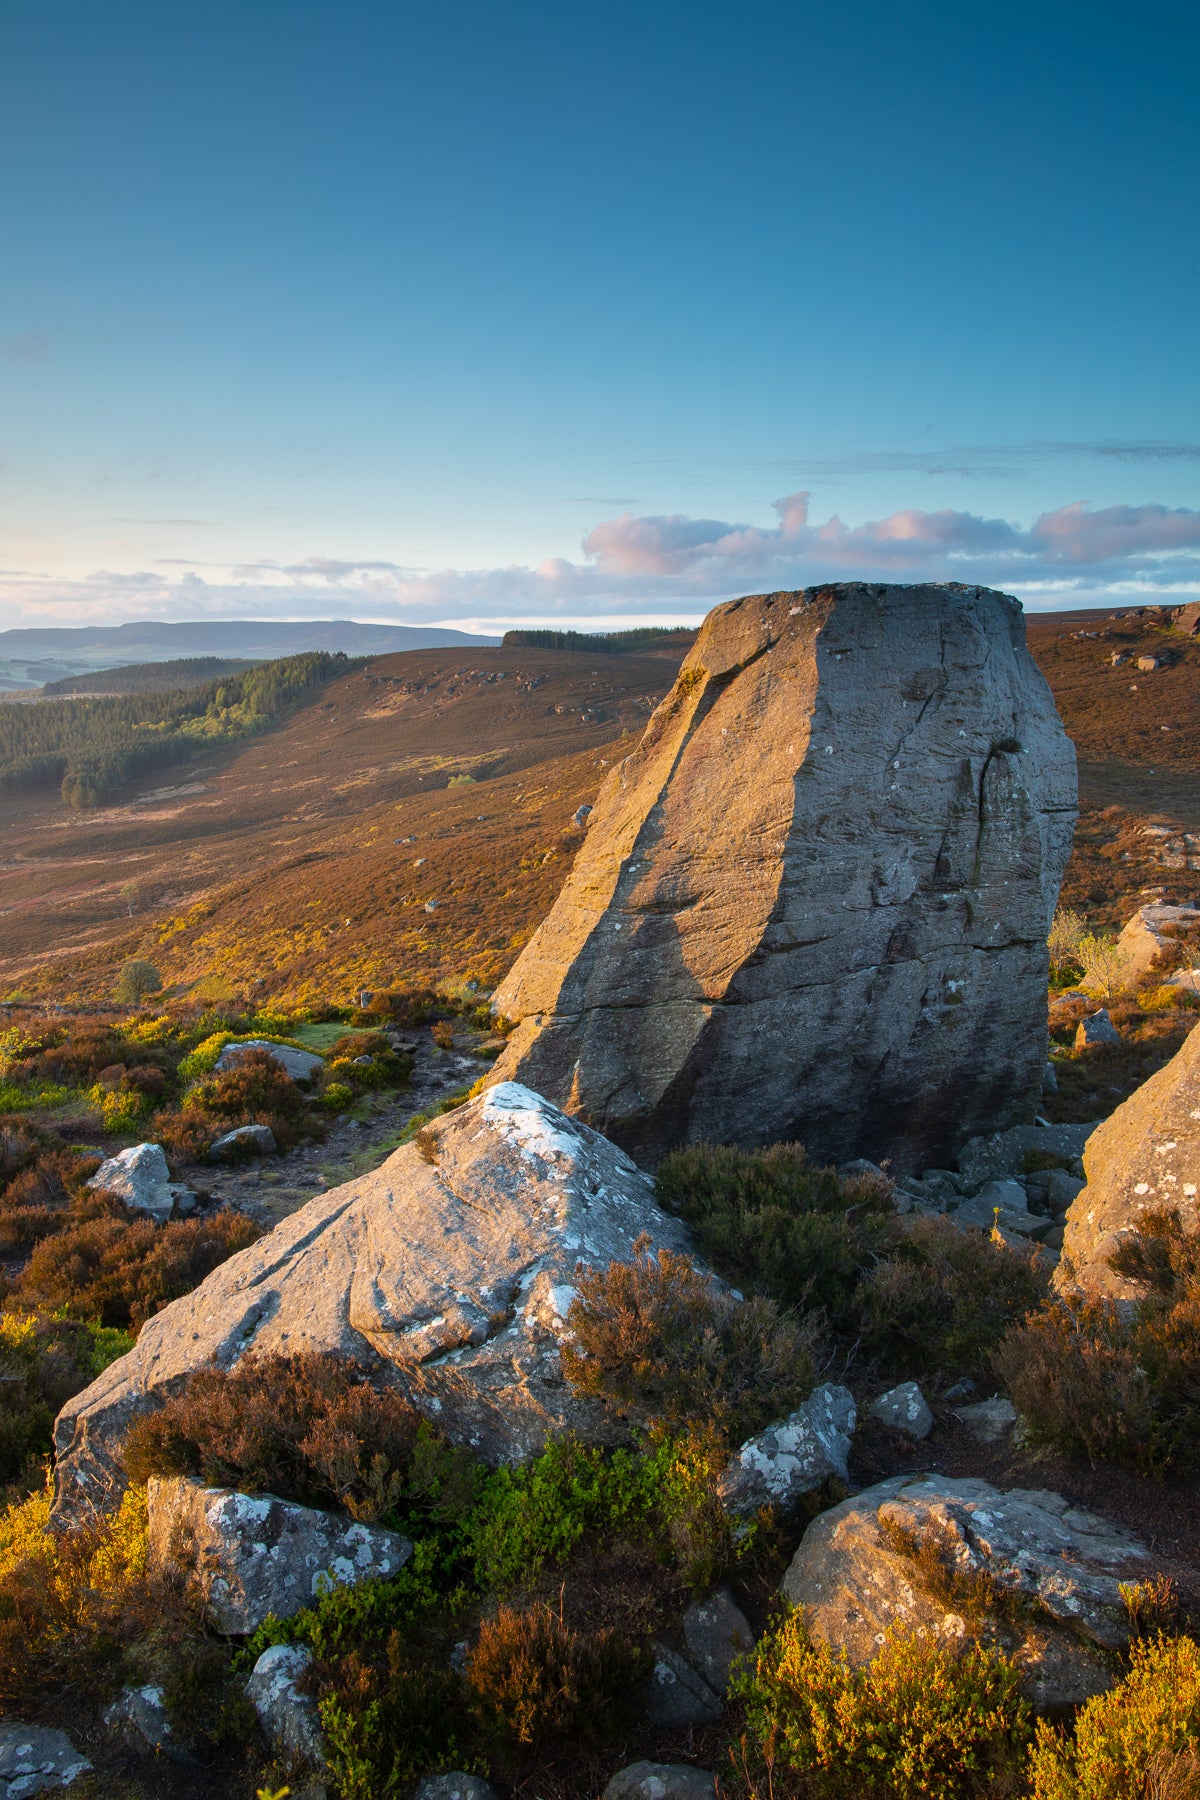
(304, 1427)
(1139, 1741)
(920, 1721)
(944, 1298)
(1096, 1380)
(768, 1220)
(659, 1341)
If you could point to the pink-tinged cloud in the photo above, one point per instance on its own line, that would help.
(670, 562)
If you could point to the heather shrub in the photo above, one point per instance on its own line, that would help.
(1139, 1741)
(1097, 1380)
(770, 1221)
(119, 1270)
(20, 1143)
(42, 1363)
(657, 1340)
(944, 1298)
(387, 1068)
(920, 1721)
(255, 1090)
(38, 1200)
(385, 1726)
(534, 1679)
(304, 1427)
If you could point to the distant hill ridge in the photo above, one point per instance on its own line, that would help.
(151, 677)
(156, 640)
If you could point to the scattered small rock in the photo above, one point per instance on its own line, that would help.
(1061, 1189)
(34, 1759)
(793, 1457)
(990, 1419)
(259, 1140)
(140, 1177)
(658, 1781)
(580, 816)
(675, 1695)
(716, 1630)
(454, 1786)
(254, 1554)
(1097, 1028)
(140, 1712)
(904, 1408)
(960, 1390)
(288, 1717)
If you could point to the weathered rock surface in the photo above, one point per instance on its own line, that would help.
(662, 1781)
(855, 1575)
(454, 1786)
(1004, 1152)
(140, 1177)
(449, 1269)
(252, 1555)
(905, 1409)
(813, 902)
(1097, 1028)
(301, 1065)
(675, 1695)
(139, 1715)
(716, 1630)
(1146, 1154)
(1143, 938)
(989, 1420)
(36, 1760)
(287, 1715)
(243, 1140)
(794, 1457)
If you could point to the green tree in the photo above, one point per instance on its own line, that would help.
(136, 981)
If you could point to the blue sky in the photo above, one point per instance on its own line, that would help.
(543, 311)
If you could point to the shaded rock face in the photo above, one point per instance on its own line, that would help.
(1145, 1155)
(253, 1555)
(793, 1457)
(813, 902)
(448, 1270)
(1065, 1566)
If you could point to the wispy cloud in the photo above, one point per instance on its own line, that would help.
(638, 563)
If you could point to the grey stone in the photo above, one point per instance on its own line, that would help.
(35, 1759)
(251, 1555)
(794, 1457)
(258, 1139)
(662, 1781)
(960, 1390)
(1004, 1152)
(1145, 1156)
(1097, 1028)
(581, 816)
(301, 1065)
(675, 1695)
(1062, 1189)
(716, 1630)
(288, 1716)
(1050, 1079)
(140, 1177)
(141, 1712)
(449, 1270)
(989, 1420)
(905, 1409)
(855, 1576)
(813, 902)
(454, 1786)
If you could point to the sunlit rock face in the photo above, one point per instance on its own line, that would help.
(813, 903)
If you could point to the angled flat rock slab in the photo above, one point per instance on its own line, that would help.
(449, 1270)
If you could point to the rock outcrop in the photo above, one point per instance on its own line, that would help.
(253, 1555)
(449, 1270)
(1145, 1155)
(857, 1573)
(1144, 938)
(813, 902)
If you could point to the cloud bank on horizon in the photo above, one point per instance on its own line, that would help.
(665, 565)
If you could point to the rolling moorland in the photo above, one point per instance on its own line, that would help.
(352, 878)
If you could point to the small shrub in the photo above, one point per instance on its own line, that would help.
(534, 1679)
(136, 982)
(387, 1726)
(768, 1220)
(658, 1341)
(918, 1722)
(1096, 1381)
(442, 1034)
(337, 1097)
(43, 1362)
(1136, 1742)
(304, 1427)
(255, 1090)
(945, 1298)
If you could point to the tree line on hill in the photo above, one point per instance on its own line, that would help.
(149, 678)
(91, 749)
(608, 643)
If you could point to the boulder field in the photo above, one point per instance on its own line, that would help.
(449, 1269)
(813, 902)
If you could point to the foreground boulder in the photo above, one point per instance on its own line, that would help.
(449, 1270)
(813, 902)
(793, 1457)
(1146, 1155)
(288, 1716)
(859, 1571)
(34, 1759)
(253, 1555)
(140, 1177)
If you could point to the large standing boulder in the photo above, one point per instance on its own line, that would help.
(140, 1177)
(1022, 1567)
(448, 1270)
(1143, 938)
(1145, 1155)
(813, 902)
